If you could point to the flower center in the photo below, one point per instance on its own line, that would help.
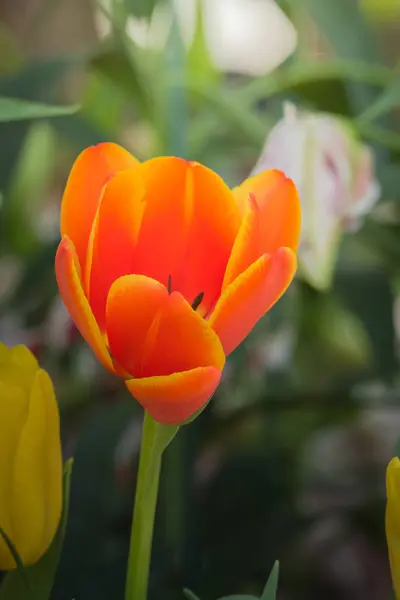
(196, 302)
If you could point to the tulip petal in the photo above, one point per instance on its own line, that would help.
(174, 398)
(71, 290)
(251, 295)
(13, 407)
(17, 360)
(133, 303)
(152, 332)
(188, 228)
(114, 237)
(214, 226)
(91, 170)
(271, 220)
(163, 232)
(392, 520)
(36, 485)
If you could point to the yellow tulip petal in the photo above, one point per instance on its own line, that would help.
(17, 360)
(393, 520)
(36, 484)
(13, 412)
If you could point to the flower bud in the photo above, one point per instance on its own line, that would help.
(30, 457)
(393, 520)
(334, 174)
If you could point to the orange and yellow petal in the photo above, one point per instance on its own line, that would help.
(271, 220)
(251, 295)
(113, 238)
(164, 226)
(215, 221)
(174, 398)
(91, 170)
(189, 225)
(71, 290)
(133, 303)
(154, 333)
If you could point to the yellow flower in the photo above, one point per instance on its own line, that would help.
(393, 521)
(30, 457)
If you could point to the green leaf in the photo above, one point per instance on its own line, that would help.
(77, 130)
(15, 109)
(343, 24)
(200, 65)
(34, 82)
(271, 586)
(120, 66)
(344, 336)
(174, 93)
(232, 111)
(374, 133)
(120, 63)
(11, 57)
(103, 104)
(40, 576)
(388, 100)
(189, 595)
(37, 79)
(29, 182)
(307, 73)
(140, 8)
(239, 597)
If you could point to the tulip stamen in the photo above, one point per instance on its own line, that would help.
(197, 301)
(169, 284)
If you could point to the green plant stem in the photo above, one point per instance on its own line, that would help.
(155, 439)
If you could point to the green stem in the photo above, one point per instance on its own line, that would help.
(155, 439)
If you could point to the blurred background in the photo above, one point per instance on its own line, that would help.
(288, 460)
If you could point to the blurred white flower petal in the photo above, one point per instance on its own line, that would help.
(334, 174)
(251, 37)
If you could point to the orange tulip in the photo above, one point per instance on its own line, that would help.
(165, 270)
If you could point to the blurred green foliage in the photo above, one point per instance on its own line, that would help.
(279, 463)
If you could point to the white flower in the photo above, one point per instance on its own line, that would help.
(334, 174)
(251, 37)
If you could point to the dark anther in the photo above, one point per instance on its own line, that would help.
(197, 301)
(169, 286)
